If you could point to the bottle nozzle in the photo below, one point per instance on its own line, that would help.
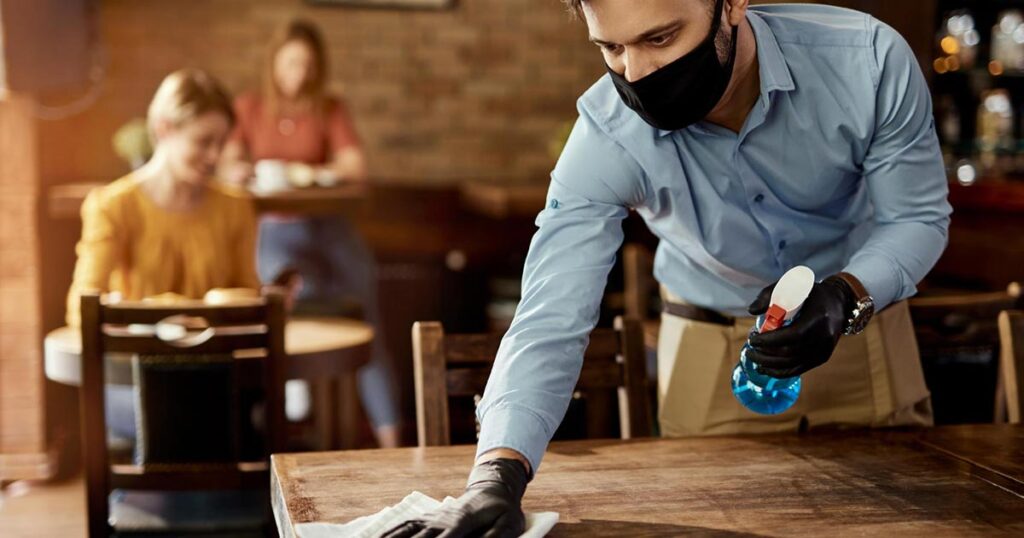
(773, 318)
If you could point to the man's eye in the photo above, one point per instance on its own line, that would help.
(610, 48)
(660, 40)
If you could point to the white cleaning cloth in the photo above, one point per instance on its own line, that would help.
(414, 505)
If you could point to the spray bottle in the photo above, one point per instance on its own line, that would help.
(759, 392)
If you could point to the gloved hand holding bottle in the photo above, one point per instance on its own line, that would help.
(807, 342)
(783, 345)
(755, 389)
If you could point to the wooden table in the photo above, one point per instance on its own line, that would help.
(65, 201)
(877, 483)
(313, 200)
(500, 200)
(324, 350)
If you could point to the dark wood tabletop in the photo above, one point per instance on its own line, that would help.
(878, 483)
(994, 453)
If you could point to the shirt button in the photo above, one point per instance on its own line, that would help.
(782, 244)
(759, 198)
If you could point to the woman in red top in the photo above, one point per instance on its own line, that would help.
(294, 121)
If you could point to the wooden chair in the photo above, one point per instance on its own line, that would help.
(638, 280)
(452, 365)
(1011, 365)
(958, 338)
(255, 328)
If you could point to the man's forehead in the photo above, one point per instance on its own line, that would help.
(620, 21)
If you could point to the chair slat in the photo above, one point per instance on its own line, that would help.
(218, 344)
(603, 343)
(190, 477)
(127, 314)
(471, 348)
(466, 381)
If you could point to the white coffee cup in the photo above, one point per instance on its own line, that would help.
(271, 175)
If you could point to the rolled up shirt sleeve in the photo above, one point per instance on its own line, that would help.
(539, 360)
(905, 178)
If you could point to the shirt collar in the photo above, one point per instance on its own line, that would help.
(774, 72)
(772, 67)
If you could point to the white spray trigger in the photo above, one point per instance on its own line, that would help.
(793, 289)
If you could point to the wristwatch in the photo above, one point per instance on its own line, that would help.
(863, 306)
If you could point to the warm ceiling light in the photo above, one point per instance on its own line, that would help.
(950, 45)
(940, 66)
(995, 67)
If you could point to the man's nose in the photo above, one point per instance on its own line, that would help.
(638, 66)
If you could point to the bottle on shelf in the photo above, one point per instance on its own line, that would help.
(1007, 54)
(958, 41)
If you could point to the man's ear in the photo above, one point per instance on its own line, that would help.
(736, 11)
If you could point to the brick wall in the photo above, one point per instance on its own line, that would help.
(21, 371)
(472, 92)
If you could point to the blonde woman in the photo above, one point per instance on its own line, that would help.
(167, 227)
(294, 121)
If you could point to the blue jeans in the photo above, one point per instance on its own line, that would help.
(120, 410)
(335, 266)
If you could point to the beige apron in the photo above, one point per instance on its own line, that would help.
(872, 379)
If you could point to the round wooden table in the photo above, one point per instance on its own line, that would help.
(323, 350)
(311, 201)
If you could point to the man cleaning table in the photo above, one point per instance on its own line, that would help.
(751, 140)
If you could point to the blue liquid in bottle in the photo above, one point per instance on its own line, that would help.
(761, 393)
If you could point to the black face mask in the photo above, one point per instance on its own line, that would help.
(684, 91)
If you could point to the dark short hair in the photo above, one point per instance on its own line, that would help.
(576, 6)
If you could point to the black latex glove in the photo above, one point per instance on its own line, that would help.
(809, 340)
(490, 507)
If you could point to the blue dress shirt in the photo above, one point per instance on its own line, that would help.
(837, 167)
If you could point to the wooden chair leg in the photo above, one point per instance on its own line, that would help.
(347, 403)
(326, 391)
(999, 413)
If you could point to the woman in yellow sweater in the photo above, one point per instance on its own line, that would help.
(167, 227)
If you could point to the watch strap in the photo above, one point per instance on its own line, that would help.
(860, 293)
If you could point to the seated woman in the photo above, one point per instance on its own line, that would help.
(294, 122)
(168, 228)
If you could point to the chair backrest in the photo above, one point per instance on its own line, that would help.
(1011, 364)
(961, 319)
(959, 341)
(638, 280)
(452, 365)
(236, 345)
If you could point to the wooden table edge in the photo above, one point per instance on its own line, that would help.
(282, 515)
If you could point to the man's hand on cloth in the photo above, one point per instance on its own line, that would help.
(490, 507)
(807, 342)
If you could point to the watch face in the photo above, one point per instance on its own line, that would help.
(861, 316)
